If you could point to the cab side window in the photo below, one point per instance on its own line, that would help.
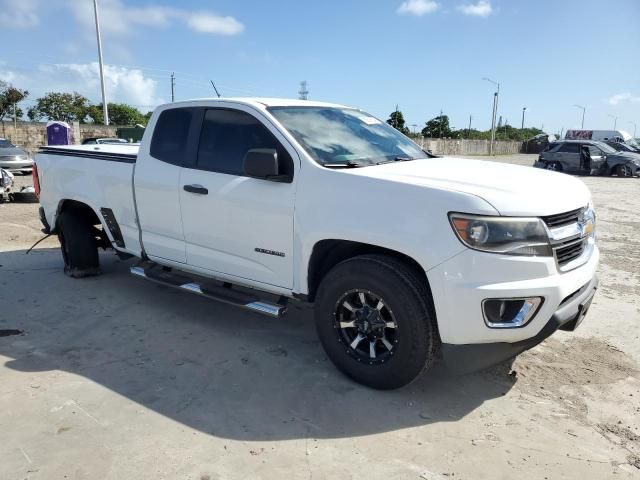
(227, 136)
(169, 141)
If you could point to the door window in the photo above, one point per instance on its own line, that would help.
(570, 148)
(169, 141)
(227, 136)
(594, 151)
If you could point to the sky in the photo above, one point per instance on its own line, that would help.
(425, 56)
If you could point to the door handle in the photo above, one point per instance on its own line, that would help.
(199, 189)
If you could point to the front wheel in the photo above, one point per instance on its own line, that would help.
(375, 321)
(624, 171)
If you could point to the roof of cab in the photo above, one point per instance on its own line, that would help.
(260, 102)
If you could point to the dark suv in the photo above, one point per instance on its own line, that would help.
(588, 157)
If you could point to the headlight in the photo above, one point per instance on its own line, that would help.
(505, 235)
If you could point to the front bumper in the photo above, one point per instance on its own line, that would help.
(473, 357)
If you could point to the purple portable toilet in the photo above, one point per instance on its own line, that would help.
(58, 133)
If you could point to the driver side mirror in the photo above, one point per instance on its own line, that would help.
(264, 163)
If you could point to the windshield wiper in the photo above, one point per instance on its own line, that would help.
(347, 164)
(397, 159)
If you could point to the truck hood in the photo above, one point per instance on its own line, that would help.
(510, 189)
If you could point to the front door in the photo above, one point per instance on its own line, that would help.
(235, 225)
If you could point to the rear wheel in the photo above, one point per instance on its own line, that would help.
(79, 246)
(375, 321)
(624, 171)
(554, 166)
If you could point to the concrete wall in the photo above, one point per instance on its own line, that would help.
(450, 146)
(32, 135)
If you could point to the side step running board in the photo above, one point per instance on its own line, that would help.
(220, 293)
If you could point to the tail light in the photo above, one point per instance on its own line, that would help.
(36, 180)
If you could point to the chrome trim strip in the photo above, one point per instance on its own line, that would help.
(266, 308)
(139, 271)
(192, 287)
(522, 318)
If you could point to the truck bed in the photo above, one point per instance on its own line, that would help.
(100, 176)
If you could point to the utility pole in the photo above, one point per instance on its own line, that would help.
(395, 118)
(214, 88)
(583, 110)
(634, 128)
(495, 111)
(615, 121)
(303, 92)
(105, 111)
(441, 120)
(469, 129)
(524, 109)
(173, 87)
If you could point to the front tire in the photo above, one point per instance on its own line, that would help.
(624, 170)
(78, 245)
(375, 320)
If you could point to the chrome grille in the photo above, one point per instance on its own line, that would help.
(562, 219)
(569, 248)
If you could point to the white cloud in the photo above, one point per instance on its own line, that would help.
(19, 13)
(119, 19)
(481, 9)
(208, 23)
(624, 98)
(418, 7)
(124, 85)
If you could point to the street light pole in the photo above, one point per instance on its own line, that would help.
(615, 121)
(105, 111)
(634, 128)
(495, 111)
(583, 110)
(524, 109)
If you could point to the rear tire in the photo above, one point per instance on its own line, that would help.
(402, 339)
(78, 245)
(554, 166)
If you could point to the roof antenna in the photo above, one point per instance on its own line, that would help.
(214, 87)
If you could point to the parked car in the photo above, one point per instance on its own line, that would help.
(623, 147)
(588, 157)
(14, 159)
(259, 202)
(105, 141)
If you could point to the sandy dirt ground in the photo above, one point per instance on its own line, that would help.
(117, 378)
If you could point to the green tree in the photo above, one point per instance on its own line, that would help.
(437, 127)
(65, 107)
(396, 120)
(119, 114)
(9, 99)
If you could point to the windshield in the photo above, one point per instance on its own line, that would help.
(345, 136)
(6, 144)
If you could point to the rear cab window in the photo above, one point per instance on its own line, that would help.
(170, 135)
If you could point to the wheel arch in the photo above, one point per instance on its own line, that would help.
(327, 253)
(76, 207)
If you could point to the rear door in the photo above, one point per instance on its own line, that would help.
(569, 156)
(157, 182)
(235, 225)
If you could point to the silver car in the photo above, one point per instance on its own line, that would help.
(14, 159)
(588, 157)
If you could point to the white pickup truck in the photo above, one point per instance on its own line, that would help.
(408, 258)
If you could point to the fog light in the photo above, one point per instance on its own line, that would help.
(509, 312)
